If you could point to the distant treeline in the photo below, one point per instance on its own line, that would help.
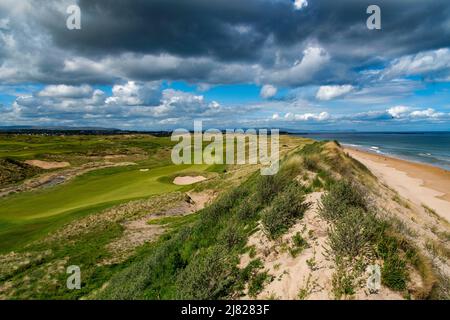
(73, 132)
(67, 132)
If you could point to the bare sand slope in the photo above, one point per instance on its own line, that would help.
(47, 164)
(421, 184)
(292, 274)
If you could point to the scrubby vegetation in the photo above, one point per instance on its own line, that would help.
(298, 244)
(358, 237)
(352, 233)
(13, 171)
(288, 206)
(342, 196)
(200, 261)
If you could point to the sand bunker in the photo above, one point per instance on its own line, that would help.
(47, 165)
(183, 181)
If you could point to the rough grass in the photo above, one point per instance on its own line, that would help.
(343, 195)
(38, 270)
(298, 245)
(286, 208)
(13, 171)
(178, 266)
(353, 233)
(74, 148)
(357, 234)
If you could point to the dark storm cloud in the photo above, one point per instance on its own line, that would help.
(215, 41)
(227, 30)
(239, 30)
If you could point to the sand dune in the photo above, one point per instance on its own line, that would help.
(420, 183)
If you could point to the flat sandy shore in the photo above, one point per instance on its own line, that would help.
(420, 183)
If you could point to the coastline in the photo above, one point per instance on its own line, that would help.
(422, 184)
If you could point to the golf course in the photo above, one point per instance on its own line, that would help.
(24, 216)
(28, 215)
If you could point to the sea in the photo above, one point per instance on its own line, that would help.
(425, 147)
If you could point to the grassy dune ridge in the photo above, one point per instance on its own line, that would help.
(200, 261)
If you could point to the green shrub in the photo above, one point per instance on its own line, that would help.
(394, 273)
(257, 283)
(343, 282)
(251, 269)
(310, 164)
(287, 207)
(150, 277)
(232, 236)
(342, 195)
(247, 210)
(13, 171)
(299, 244)
(353, 233)
(316, 184)
(267, 188)
(210, 275)
(223, 205)
(356, 232)
(313, 148)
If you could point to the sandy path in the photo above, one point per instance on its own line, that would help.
(419, 183)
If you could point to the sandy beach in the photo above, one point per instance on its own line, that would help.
(420, 183)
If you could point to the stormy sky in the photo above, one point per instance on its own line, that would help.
(160, 64)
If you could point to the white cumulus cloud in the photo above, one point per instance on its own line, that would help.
(398, 111)
(133, 94)
(434, 63)
(331, 92)
(64, 91)
(323, 116)
(268, 91)
(428, 113)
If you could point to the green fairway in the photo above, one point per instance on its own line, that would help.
(25, 216)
